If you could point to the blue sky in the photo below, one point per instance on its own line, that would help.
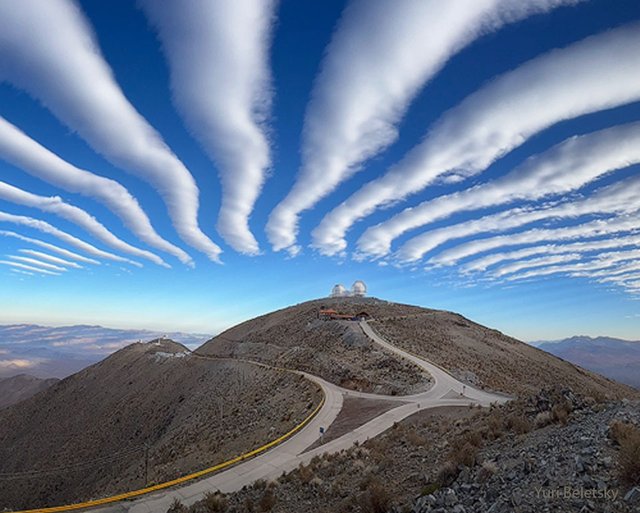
(224, 159)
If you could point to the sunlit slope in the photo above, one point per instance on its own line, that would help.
(87, 435)
(338, 351)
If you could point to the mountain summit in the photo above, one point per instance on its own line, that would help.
(302, 337)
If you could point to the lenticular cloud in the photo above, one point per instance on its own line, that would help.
(19, 149)
(43, 226)
(50, 247)
(48, 49)
(568, 166)
(617, 198)
(218, 56)
(57, 206)
(573, 81)
(380, 56)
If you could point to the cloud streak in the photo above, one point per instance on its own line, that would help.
(617, 198)
(218, 53)
(568, 166)
(55, 205)
(19, 149)
(574, 81)
(604, 262)
(37, 263)
(381, 55)
(50, 247)
(45, 227)
(481, 264)
(50, 258)
(31, 268)
(589, 230)
(49, 50)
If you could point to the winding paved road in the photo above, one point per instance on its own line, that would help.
(446, 391)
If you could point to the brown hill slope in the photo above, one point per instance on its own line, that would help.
(84, 437)
(21, 387)
(338, 351)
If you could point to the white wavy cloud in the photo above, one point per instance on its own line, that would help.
(604, 262)
(617, 198)
(22, 151)
(50, 258)
(218, 52)
(380, 56)
(55, 205)
(535, 262)
(50, 247)
(566, 167)
(45, 227)
(28, 267)
(481, 264)
(37, 263)
(562, 84)
(49, 50)
(590, 230)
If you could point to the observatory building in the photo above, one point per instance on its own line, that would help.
(338, 291)
(358, 289)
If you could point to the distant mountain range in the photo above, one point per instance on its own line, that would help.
(612, 357)
(46, 352)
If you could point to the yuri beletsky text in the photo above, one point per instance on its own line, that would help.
(570, 492)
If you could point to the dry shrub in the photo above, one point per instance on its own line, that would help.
(447, 473)
(268, 500)
(488, 469)
(495, 425)
(465, 449)
(177, 507)
(305, 474)
(542, 419)
(464, 454)
(260, 484)
(415, 438)
(519, 424)
(473, 438)
(620, 431)
(248, 505)
(629, 461)
(560, 412)
(628, 437)
(215, 502)
(376, 499)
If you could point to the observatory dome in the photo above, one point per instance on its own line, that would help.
(338, 291)
(358, 288)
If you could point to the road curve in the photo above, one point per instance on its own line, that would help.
(446, 391)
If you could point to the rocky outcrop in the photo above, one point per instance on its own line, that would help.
(556, 468)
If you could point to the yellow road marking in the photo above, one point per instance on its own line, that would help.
(180, 480)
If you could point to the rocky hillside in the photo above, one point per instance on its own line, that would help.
(554, 451)
(87, 435)
(21, 387)
(487, 357)
(337, 350)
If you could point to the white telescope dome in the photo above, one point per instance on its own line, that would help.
(359, 288)
(338, 290)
